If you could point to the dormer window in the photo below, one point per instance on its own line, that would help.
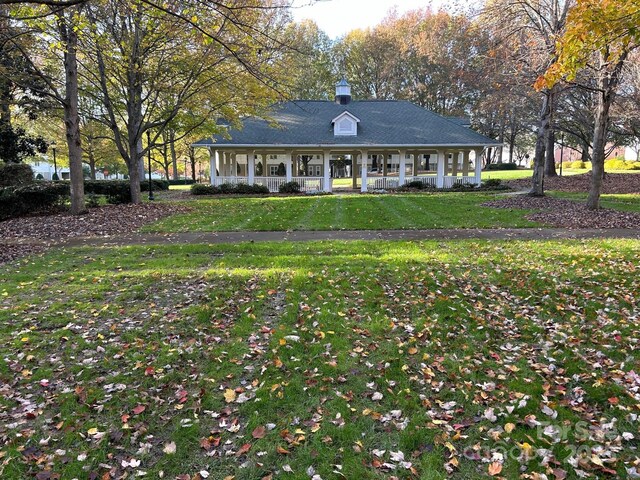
(345, 125)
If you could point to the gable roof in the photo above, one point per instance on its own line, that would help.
(387, 123)
(346, 113)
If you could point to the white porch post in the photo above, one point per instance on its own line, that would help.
(403, 168)
(326, 170)
(478, 166)
(213, 159)
(465, 163)
(442, 158)
(234, 165)
(221, 164)
(287, 164)
(456, 161)
(363, 177)
(251, 167)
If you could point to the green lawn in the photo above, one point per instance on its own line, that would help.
(626, 202)
(336, 212)
(342, 359)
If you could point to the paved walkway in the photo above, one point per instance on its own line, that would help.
(304, 236)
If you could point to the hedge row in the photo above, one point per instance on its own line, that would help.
(41, 196)
(228, 189)
(13, 174)
(181, 182)
(35, 197)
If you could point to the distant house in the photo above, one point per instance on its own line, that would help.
(379, 143)
(46, 170)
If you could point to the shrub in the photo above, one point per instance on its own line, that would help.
(501, 166)
(246, 189)
(290, 187)
(157, 185)
(282, 170)
(13, 174)
(181, 182)
(116, 191)
(202, 189)
(228, 189)
(415, 184)
(578, 164)
(463, 187)
(33, 198)
(491, 183)
(620, 164)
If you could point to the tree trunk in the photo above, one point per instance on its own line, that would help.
(192, 158)
(584, 155)
(607, 83)
(537, 187)
(71, 116)
(92, 163)
(134, 171)
(550, 154)
(174, 157)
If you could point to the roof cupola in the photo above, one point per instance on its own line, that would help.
(343, 92)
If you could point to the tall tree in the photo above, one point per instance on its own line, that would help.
(535, 26)
(600, 35)
(158, 67)
(62, 22)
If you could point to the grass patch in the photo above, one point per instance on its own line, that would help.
(271, 359)
(627, 202)
(337, 212)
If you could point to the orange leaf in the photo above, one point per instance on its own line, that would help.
(139, 409)
(244, 449)
(495, 468)
(259, 432)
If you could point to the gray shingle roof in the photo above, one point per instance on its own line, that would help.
(383, 123)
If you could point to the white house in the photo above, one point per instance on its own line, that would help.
(379, 143)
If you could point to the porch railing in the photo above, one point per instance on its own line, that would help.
(310, 184)
(450, 181)
(230, 180)
(382, 183)
(429, 180)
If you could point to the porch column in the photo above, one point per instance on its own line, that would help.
(416, 157)
(234, 165)
(478, 166)
(213, 160)
(363, 177)
(403, 168)
(326, 170)
(287, 164)
(251, 167)
(385, 158)
(354, 169)
(265, 170)
(455, 159)
(223, 167)
(442, 158)
(465, 163)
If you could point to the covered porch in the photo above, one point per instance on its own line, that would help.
(368, 169)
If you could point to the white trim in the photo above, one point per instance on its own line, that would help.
(373, 146)
(346, 113)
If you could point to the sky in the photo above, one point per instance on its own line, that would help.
(337, 17)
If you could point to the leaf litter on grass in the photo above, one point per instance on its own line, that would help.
(328, 360)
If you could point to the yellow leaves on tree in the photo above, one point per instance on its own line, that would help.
(608, 27)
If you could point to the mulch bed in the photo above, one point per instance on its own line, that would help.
(561, 213)
(612, 183)
(100, 222)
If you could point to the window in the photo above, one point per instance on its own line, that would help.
(318, 170)
(345, 124)
(273, 170)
